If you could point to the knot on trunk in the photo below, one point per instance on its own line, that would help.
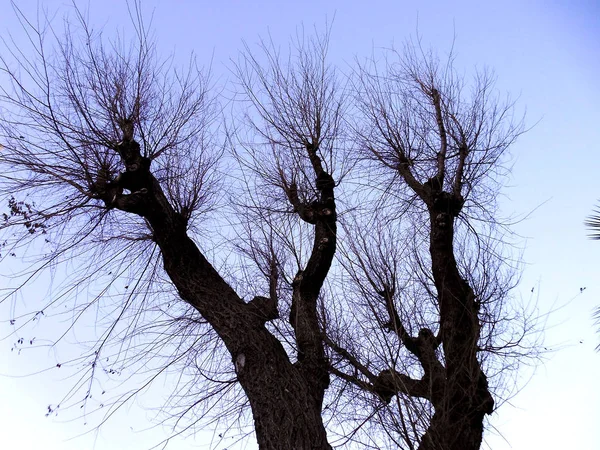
(240, 362)
(442, 220)
(323, 243)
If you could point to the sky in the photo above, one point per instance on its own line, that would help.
(544, 53)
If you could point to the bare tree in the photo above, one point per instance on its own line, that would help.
(112, 155)
(290, 153)
(112, 150)
(426, 259)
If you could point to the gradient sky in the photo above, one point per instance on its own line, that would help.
(546, 53)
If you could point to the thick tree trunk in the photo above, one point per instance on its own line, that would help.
(286, 402)
(287, 416)
(459, 412)
(285, 398)
(458, 432)
(281, 429)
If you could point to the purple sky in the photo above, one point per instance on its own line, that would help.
(546, 53)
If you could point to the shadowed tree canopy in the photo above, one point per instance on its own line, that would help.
(326, 265)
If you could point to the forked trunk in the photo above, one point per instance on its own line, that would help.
(285, 398)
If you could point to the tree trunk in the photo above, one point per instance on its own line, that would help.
(287, 416)
(285, 398)
(457, 423)
(286, 401)
(460, 430)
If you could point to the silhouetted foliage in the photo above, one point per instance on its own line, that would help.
(593, 224)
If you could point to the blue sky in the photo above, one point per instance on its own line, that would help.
(546, 53)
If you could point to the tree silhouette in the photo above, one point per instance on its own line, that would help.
(359, 290)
